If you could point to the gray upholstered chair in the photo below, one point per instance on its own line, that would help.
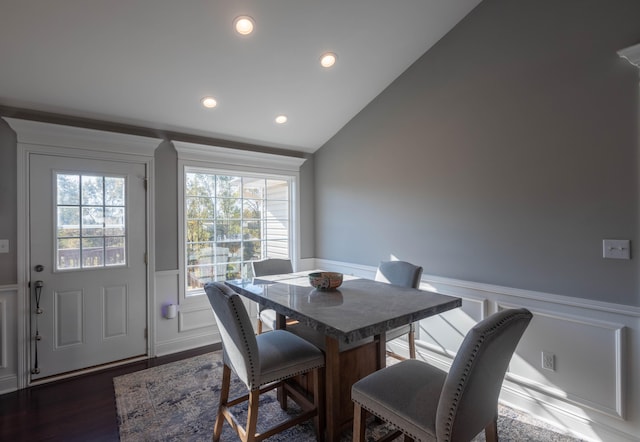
(427, 404)
(404, 274)
(262, 362)
(266, 267)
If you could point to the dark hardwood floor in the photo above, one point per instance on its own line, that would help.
(82, 408)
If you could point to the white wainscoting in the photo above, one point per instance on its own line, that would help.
(193, 326)
(8, 339)
(594, 391)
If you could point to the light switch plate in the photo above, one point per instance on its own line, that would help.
(616, 248)
(4, 246)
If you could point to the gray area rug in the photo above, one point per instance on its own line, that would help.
(178, 401)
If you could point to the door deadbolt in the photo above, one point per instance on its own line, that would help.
(39, 268)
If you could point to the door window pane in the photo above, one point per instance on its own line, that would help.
(114, 191)
(92, 252)
(115, 250)
(92, 190)
(68, 254)
(90, 221)
(68, 189)
(114, 221)
(68, 222)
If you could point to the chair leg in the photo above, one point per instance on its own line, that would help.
(359, 423)
(224, 398)
(412, 344)
(281, 395)
(491, 431)
(259, 326)
(252, 416)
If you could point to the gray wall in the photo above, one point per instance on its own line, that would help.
(166, 176)
(503, 156)
(8, 203)
(307, 215)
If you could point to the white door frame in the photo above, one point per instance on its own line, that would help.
(45, 138)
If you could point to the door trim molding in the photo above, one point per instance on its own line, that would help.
(45, 138)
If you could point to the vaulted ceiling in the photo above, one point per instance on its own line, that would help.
(149, 63)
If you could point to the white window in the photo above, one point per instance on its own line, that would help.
(232, 220)
(238, 207)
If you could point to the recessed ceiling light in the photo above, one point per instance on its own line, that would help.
(243, 25)
(328, 59)
(281, 119)
(209, 102)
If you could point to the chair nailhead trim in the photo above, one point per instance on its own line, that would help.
(408, 433)
(289, 376)
(252, 367)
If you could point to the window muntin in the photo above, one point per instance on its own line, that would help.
(232, 220)
(90, 221)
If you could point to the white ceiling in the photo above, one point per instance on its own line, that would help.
(149, 62)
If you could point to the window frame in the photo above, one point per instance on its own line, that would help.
(226, 161)
(242, 175)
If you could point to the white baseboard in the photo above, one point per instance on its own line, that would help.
(8, 384)
(186, 343)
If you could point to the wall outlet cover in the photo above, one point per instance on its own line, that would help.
(616, 248)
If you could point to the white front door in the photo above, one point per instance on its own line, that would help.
(87, 230)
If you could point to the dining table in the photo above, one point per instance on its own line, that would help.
(348, 323)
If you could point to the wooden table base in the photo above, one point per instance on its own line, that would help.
(342, 370)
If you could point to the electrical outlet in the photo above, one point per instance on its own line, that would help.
(548, 361)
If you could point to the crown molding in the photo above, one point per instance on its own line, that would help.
(50, 134)
(234, 157)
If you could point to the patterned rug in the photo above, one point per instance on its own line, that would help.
(177, 402)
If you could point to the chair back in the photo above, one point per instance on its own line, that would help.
(400, 273)
(238, 339)
(469, 398)
(271, 266)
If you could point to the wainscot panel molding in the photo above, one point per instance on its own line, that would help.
(193, 326)
(592, 393)
(8, 343)
(195, 318)
(182, 343)
(555, 334)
